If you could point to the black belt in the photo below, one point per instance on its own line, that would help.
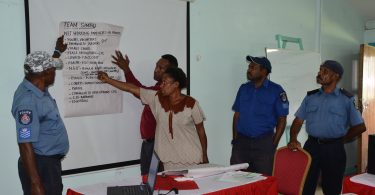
(256, 137)
(149, 140)
(56, 156)
(326, 140)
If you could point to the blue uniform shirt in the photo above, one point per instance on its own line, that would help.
(328, 115)
(38, 120)
(260, 108)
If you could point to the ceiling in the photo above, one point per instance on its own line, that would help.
(365, 7)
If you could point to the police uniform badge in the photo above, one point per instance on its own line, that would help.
(25, 117)
(24, 133)
(355, 104)
(284, 100)
(283, 97)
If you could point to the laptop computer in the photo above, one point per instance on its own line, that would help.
(142, 189)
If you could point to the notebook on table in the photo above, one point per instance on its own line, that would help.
(142, 189)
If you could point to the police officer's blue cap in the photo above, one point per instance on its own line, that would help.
(263, 61)
(334, 66)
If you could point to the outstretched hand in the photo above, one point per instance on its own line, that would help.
(60, 44)
(121, 61)
(103, 76)
(294, 145)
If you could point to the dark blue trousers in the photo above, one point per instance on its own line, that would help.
(49, 169)
(258, 152)
(329, 159)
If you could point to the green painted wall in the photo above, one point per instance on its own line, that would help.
(224, 32)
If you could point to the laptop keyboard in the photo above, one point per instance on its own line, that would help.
(128, 190)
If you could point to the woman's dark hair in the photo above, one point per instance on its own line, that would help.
(177, 74)
(171, 59)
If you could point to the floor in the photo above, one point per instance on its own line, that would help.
(319, 190)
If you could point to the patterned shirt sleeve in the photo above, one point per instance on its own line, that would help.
(130, 78)
(149, 97)
(197, 113)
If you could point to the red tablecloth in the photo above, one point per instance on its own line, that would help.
(263, 187)
(267, 186)
(168, 182)
(352, 187)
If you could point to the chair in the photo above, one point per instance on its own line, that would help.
(72, 192)
(290, 169)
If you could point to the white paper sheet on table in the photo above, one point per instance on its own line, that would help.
(203, 172)
(198, 172)
(365, 179)
(184, 171)
(241, 176)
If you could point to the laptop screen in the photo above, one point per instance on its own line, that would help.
(153, 171)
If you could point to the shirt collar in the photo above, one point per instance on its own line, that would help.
(335, 92)
(39, 93)
(265, 83)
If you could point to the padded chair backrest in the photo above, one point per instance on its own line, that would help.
(290, 169)
(72, 192)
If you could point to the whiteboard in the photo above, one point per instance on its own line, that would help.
(151, 28)
(296, 72)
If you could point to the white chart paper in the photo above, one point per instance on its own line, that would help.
(90, 46)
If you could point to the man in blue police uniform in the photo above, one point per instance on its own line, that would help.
(41, 134)
(328, 112)
(260, 106)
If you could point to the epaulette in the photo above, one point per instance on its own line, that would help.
(346, 93)
(313, 92)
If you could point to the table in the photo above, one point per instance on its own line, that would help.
(357, 188)
(263, 187)
(207, 185)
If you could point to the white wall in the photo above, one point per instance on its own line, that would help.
(222, 33)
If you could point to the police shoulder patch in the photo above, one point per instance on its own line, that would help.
(283, 97)
(312, 91)
(355, 104)
(24, 133)
(25, 117)
(346, 93)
